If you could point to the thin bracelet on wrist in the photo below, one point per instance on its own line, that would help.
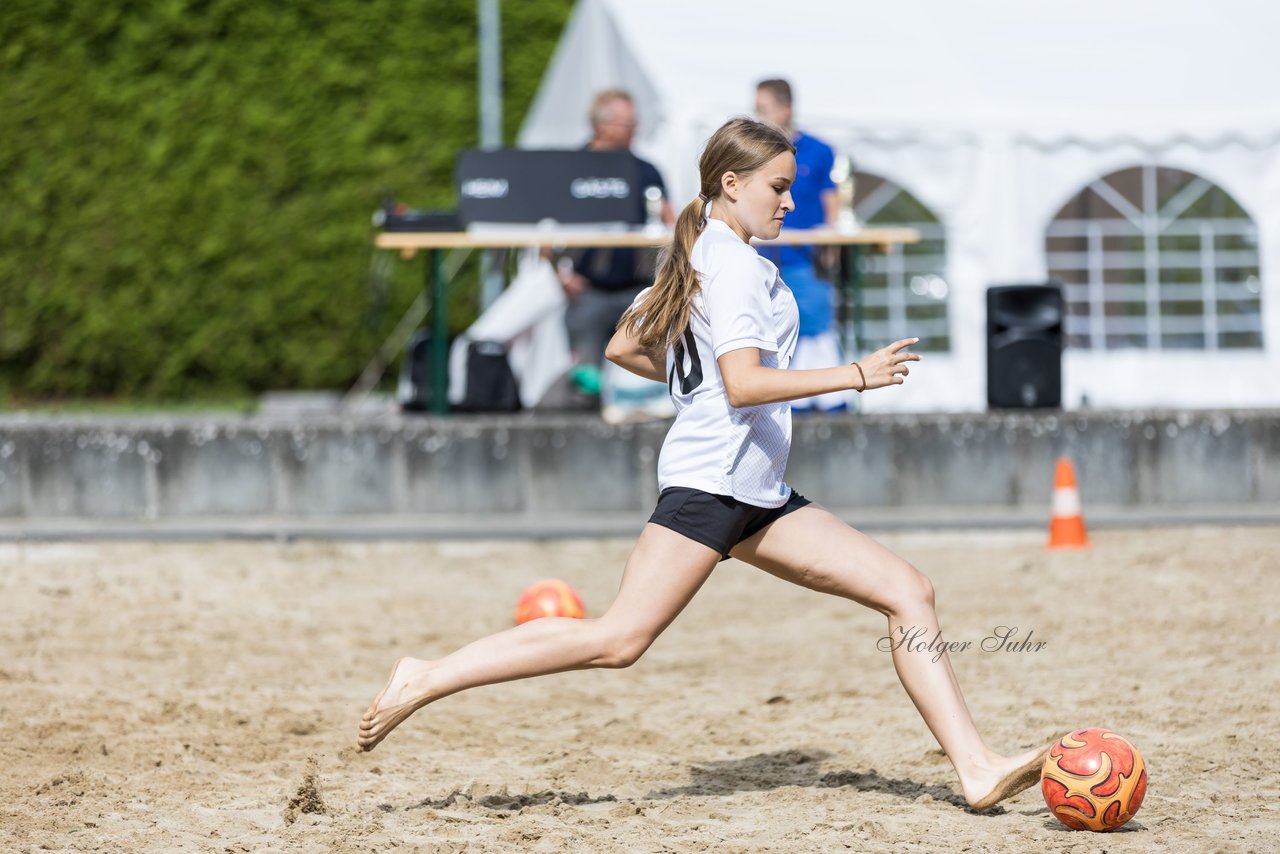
(864, 378)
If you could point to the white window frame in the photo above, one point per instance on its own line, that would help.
(1150, 223)
(899, 271)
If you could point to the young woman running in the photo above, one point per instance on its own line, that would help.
(719, 326)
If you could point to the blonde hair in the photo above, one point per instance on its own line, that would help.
(602, 103)
(741, 146)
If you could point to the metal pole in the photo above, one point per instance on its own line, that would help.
(851, 301)
(489, 21)
(844, 305)
(439, 333)
(855, 275)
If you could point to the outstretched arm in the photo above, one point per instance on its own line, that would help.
(625, 352)
(748, 383)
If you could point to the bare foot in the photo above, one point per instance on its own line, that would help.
(1004, 778)
(404, 694)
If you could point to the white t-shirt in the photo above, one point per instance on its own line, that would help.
(712, 446)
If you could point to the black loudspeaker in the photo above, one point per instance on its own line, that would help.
(1024, 346)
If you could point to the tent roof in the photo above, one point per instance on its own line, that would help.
(1091, 70)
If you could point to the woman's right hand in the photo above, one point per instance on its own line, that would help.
(887, 366)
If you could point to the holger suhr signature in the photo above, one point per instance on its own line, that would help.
(916, 639)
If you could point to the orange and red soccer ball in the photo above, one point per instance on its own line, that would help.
(550, 597)
(1093, 779)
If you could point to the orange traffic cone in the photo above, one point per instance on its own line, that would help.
(1066, 528)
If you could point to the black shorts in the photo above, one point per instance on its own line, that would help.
(717, 521)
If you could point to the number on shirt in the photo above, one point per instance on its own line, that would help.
(694, 379)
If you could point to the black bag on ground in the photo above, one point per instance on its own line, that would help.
(414, 391)
(491, 386)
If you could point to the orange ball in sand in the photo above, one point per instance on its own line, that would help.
(550, 597)
(1093, 779)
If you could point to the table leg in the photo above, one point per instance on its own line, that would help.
(850, 283)
(855, 275)
(439, 332)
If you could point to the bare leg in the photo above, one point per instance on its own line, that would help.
(663, 572)
(813, 548)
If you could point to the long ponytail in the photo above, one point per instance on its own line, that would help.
(740, 146)
(663, 314)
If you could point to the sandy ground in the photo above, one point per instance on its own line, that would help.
(206, 697)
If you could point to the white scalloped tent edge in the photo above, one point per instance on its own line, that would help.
(993, 113)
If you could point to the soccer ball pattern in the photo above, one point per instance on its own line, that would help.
(1093, 779)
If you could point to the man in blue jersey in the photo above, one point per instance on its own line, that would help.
(817, 204)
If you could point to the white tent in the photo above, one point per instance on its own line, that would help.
(993, 113)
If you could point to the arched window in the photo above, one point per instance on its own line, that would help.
(1157, 258)
(904, 291)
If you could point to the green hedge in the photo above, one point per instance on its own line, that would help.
(186, 185)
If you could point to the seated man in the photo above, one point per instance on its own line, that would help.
(602, 283)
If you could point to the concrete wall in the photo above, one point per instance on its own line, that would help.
(168, 467)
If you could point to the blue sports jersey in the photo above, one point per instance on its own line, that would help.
(814, 159)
